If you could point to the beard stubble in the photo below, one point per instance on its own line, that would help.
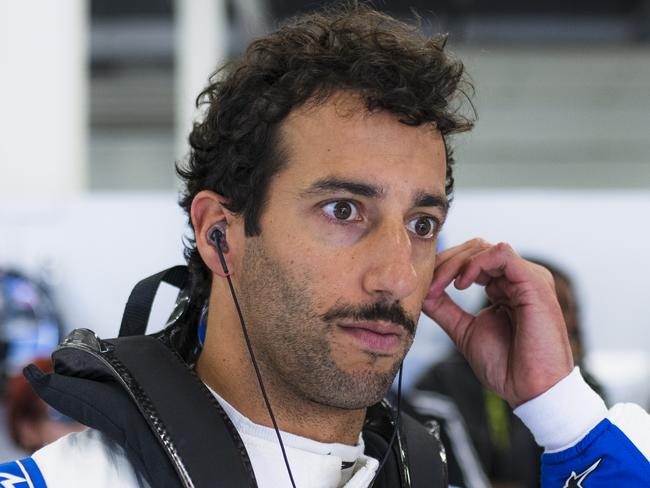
(292, 342)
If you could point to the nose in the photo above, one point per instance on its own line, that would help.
(389, 264)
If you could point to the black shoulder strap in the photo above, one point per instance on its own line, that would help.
(188, 422)
(138, 306)
(191, 419)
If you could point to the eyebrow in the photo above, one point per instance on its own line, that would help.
(332, 184)
(424, 199)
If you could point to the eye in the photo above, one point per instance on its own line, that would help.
(423, 226)
(342, 210)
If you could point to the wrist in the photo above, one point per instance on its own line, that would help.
(561, 416)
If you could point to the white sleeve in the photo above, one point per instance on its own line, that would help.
(634, 422)
(563, 415)
(86, 459)
(560, 417)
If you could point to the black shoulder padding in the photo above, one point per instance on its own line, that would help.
(152, 380)
(105, 407)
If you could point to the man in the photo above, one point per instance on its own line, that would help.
(318, 182)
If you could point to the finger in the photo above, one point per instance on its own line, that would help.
(498, 291)
(453, 267)
(477, 242)
(499, 260)
(494, 291)
(483, 279)
(445, 272)
(450, 262)
(449, 316)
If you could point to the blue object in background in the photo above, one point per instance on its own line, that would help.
(30, 325)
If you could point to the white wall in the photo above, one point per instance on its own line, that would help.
(97, 246)
(43, 91)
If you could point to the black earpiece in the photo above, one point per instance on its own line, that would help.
(217, 237)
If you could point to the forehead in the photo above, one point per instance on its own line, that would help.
(340, 138)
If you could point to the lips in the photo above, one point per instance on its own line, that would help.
(375, 336)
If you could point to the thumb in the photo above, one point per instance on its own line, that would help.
(449, 316)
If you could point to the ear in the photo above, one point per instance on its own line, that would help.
(208, 209)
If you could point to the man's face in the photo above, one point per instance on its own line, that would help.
(332, 287)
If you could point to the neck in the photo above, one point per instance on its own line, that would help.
(225, 365)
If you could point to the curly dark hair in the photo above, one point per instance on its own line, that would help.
(235, 149)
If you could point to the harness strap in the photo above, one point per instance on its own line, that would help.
(203, 436)
(138, 306)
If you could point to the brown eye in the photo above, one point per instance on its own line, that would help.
(423, 226)
(342, 210)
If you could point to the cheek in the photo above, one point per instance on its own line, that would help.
(332, 235)
(333, 273)
(318, 268)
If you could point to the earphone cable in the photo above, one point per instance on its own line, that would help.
(396, 429)
(261, 383)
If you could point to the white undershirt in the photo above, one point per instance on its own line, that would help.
(313, 464)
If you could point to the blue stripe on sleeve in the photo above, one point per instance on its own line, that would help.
(34, 473)
(21, 474)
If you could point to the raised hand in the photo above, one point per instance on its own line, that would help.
(517, 347)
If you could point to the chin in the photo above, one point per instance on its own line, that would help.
(357, 389)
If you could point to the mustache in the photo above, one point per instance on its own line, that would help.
(376, 311)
